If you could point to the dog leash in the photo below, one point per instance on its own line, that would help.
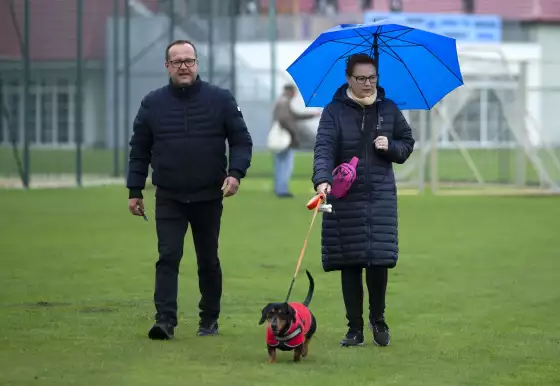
(317, 200)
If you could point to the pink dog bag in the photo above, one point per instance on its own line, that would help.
(344, 176)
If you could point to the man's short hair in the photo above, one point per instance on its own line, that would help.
(290, 87)
(179, 43)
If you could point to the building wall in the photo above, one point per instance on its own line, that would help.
(548, 37)
(94, 109)
(53, 93)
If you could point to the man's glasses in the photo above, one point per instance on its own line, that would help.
(362, 79)
(187, 62)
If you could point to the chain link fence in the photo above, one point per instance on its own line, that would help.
(73, 73)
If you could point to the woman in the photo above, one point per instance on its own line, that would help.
(361, 233)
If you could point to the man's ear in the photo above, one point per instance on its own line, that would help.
(264, 312)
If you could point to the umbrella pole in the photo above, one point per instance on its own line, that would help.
(376, 52)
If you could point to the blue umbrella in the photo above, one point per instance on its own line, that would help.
(416, 68)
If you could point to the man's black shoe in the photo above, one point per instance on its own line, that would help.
(207, 328)
(353, 338)
(161, 331)
(381, 336)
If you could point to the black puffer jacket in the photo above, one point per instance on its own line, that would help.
(362, 231)
(182, 133)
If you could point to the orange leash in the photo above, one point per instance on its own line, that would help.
(317, 202)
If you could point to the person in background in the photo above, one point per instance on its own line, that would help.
(362, 231)
(181, 130)
(288, 120)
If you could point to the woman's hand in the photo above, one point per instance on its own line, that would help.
(381, 143)
(325, 188)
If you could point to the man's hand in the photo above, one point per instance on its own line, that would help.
(325, 188)
(231, 184)
(136, 206)
(381, 143)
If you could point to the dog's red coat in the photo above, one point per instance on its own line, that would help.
(303, 321)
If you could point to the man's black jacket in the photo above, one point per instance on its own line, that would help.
(182, 131)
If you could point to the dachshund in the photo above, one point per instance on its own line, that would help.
(290, 326)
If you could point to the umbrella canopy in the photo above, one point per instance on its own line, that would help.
(417, 68)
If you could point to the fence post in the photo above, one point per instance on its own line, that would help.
(26, 95)
(78, 121)
(211, 42)
(116, 88)
(422, 141)
(171, 20)
(126, 103)
(233, 42)
(521, 158)
(434, 132)
(272, 37)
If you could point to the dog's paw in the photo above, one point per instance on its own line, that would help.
(271, 360)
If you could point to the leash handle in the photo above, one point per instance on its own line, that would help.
(304, 245)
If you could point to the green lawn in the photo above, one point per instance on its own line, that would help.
(473, 300)
(495, 166)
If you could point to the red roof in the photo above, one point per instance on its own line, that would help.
(524, 10)
(53, 28)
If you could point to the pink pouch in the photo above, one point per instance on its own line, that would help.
(344, 176)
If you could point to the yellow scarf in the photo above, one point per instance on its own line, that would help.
(366, 101)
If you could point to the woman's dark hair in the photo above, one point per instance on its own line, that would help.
(358, 59)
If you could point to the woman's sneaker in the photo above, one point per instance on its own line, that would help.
(353, 338)
(380, 329)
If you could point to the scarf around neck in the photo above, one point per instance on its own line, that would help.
(366, 101)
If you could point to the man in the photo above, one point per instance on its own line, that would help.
(181, 130)
(288, 120)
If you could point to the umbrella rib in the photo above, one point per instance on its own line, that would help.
(351, 44)
(396, 57)
(434, 55)
(381, 34)
(345, 56)
(398, 36)
(367, 40)
(338, 40)
(406, 30)
(329, 41)
(413, 78)
(326, 74)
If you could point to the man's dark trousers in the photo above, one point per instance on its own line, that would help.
(172, 220)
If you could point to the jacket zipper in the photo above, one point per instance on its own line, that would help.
(186, 136)
(186, 133)
(367, 187)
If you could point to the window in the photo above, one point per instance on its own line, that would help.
(32, 111)
(46, 118)
(14, 108)
(3, 137)
(468, 6)
(63, 116)
(48, 112)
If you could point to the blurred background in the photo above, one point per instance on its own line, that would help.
(73, 72)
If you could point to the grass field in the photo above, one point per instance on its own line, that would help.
(494, 165)
(473, 300)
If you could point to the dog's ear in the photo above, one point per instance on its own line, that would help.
(264, 313)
